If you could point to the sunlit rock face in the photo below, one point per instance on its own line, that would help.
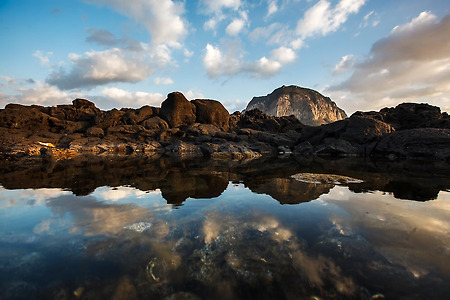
(309, 106)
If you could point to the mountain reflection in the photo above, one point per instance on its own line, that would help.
(179, 180)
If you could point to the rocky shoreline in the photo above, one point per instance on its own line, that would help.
(204, 128)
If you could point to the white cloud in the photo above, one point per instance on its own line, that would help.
(216, 6)
(43, 58)
(265, 67)
(272, 7)
(284, 55)
(133, 99)
(345, 64)
(102, 67)
(162, 18)
(411, 64)
(188, 53)
(194, 95)
(40, 94)
(264, 32)
(323, 19)
(219, 64)
(235, 27)
(370, 19)
(163, 80)
(219, 9)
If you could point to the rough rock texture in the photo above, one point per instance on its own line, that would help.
(176, 110)
(203, 128)
(309, 106)
(211, 112)
(418, 142)
(408, 130)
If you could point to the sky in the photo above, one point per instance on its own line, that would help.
(363, 54)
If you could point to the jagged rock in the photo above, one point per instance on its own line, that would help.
(418, 142)
(176, 110)
(136, 116)
(25, 118)
(81, 110)
(202, 129)
(362, 130)
(109, 118)
(155, 123)
(351, 136)
(410, 116)
(309, 106)
(124, 129)
(211, 112)
(95, 131)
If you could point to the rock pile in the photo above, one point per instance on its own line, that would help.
(179, 128)
(204, 128)
(408, 130)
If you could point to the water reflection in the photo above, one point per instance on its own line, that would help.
(177, 230)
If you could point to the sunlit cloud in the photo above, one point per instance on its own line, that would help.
(322, 18)
(101, 67)
(132, 99)
(34, 92)
(163, 80)
(219, 64)
(412, 63)
(163, 19)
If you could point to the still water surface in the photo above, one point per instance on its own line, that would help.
(271, 230)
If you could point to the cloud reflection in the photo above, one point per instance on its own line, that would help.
(413, 234)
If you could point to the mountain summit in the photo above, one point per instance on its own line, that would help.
(309, 106)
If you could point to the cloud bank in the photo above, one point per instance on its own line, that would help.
(412, 63)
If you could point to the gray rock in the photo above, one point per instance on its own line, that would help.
(309, 106)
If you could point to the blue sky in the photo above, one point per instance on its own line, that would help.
(363, 54)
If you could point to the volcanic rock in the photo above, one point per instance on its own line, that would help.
(211, 112)
(418, 142)
(309, 106)
(176, 110)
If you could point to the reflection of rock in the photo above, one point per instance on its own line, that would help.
(415, 180)
(287, 190)
(177, 187)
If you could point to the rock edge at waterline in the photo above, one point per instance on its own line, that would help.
(204, 128)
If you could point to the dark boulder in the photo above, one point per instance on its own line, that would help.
(81, 110)
(352, 136)
(410, 116)
(27, 119)
(109, 118)
(155, 123)
(136, 116)
(418, 142)
(363, 130)
(177, 111)
(211, 112)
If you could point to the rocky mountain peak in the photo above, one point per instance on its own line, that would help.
(309, 106)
